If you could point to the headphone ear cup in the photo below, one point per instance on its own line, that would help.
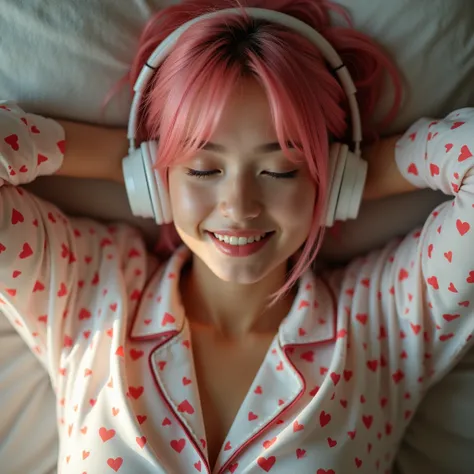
(157, 187)
(136, 184)
(336, 164)
(352, 188)
(347, 175)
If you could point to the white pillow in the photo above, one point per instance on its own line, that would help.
(60, 58)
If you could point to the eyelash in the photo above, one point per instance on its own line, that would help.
(206, 174)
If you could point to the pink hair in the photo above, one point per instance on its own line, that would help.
(307, 102)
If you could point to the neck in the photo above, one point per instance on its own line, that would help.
(233, 310)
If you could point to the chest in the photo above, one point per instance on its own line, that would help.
(225, 372)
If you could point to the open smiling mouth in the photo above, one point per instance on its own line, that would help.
(234, 246)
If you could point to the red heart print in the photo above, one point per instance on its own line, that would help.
(397, 376)
(62, 146)
(448, 147)
(367, 420)
(456, 125)
(402, 275)
(141, 419)
(358, 462)
(452, 288)
(41, 159)
(167, 319)
(135, 392)
(34, 129)
(178, 444)
(347, 375)
(26, 251)
(269, 442)
(297, 426)
(451, 317)
(462, 227)
(416, 328)
(465, 153)
(335, 378)
(185, 407)
(62, 290)
(106, 434)
(252, 416)
(119, 352)
(17, 217)
(470, 278)
(84, 314)
(372, 364)
(232, 467)
(12, 140)
(448, 256)
(434, 169)
(412, 169)
(115, 463)
(324, 418)
(412, 136)
(433, 281)
(332, 442)
(300, 453)
(325, 471)
(266, 463)
(445, 337)
(308, 356)
(362, 318)
(186, 381)
(141, 441)
(136, 354)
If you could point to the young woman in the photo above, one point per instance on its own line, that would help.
(232, 355)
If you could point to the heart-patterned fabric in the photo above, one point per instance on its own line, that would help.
(341, 379)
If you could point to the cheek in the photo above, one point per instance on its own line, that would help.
(295, 207)
(188, 202)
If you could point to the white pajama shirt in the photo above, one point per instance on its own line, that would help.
(341, 380)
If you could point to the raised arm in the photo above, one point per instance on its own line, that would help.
(51, 267)
(93, 151)
(430, 277)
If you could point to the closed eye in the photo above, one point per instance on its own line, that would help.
(207, 173)
(200, 174)
(288, 174)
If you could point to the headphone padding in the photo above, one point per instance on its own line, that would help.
(336, 164)
(136, 185)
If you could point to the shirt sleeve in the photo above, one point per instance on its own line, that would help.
(50, 266)
(431, 275)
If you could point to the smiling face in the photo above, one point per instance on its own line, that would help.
(239, 204)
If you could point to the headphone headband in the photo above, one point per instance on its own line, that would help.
(327, 51)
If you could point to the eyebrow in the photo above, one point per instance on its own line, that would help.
(265, 148)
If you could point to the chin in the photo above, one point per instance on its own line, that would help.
(240, 273)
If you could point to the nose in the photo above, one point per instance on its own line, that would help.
(240, 199)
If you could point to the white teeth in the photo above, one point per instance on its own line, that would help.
(239, 240)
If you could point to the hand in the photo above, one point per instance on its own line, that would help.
(93, 151)
(383, 176)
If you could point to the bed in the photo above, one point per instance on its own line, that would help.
(60, 58)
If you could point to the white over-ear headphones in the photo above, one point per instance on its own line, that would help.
(148, 194)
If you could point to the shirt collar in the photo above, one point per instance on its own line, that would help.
(160, 313)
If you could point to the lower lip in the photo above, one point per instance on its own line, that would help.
(240, 250)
